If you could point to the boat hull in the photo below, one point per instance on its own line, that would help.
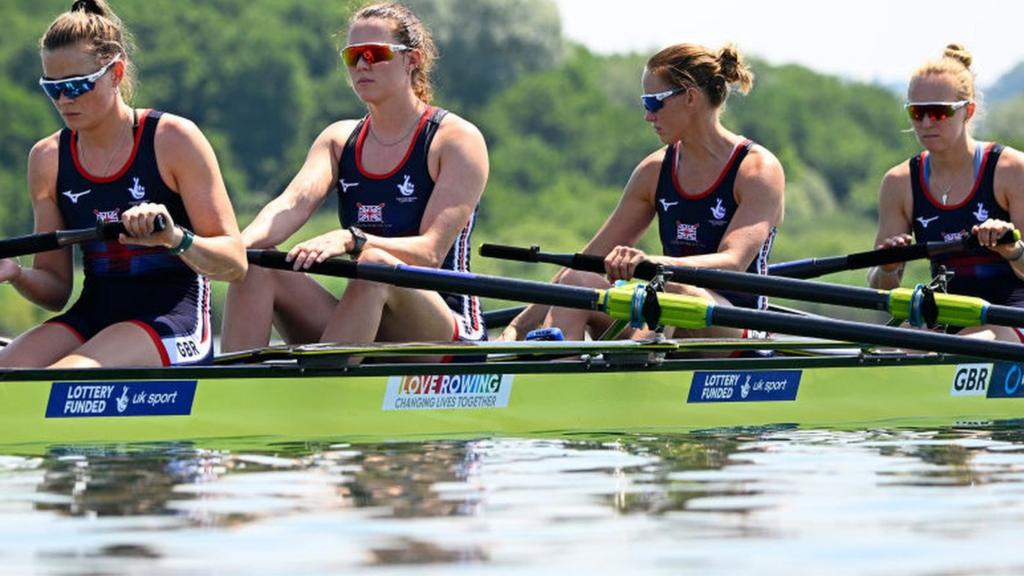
(514, 398)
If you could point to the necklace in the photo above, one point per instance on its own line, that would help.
(415, 123)
(115, 151)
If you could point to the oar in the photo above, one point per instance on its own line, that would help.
(33, 243)
(917, 305)
(638, 305)
(814, 267)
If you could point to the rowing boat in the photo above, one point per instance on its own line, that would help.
(312, 392)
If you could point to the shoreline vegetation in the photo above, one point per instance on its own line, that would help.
(563, 125)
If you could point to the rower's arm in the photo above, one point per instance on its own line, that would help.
(1009, 184)
(49, 281)
(286, 213)
(895, 206)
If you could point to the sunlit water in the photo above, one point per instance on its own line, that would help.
(764, 501)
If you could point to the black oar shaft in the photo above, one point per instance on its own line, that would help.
(714, 279)
(857, 332)
(444, 281)
(814, 267)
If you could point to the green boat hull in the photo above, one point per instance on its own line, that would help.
(400, 401)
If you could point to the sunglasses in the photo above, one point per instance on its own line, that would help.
(73, 87)
(372, 52)
(653, 102)
(934, 110)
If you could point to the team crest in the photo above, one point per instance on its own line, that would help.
(105, 216)
(370, 213)
(955, 236)
(686, 232)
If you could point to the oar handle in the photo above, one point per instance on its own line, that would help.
(585, 262)
(34, 243)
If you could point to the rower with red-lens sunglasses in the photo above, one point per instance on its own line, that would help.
(408, 177)
(955, 187)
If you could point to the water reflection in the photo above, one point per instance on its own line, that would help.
(912, 501)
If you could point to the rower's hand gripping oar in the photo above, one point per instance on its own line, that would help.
(918, 305)
(34, 243)
(624, 303)
(814, 267)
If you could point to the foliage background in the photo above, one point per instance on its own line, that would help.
(262, 78)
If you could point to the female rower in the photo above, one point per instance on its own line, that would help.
(957, 186)
(717, 195)
(145, 301)
(408, 178)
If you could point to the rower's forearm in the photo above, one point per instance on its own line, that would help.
(275, 223)
(43, 288)
(217, 257)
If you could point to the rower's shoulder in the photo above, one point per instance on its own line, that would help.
(455, 127)
(1011, 158)
(760, 160)
(897, 175)
(46, 150)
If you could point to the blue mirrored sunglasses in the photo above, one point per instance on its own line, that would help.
(73, 87)
(653, 102)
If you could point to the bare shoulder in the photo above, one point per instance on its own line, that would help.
(43, 162)
(456, 129)
(897, 179)
(649, 168)
(1011, 162)
(761, 164)
(338, 132)
(45, 152)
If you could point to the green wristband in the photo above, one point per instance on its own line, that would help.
(186, 242)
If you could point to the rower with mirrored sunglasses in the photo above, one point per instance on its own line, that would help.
(955, 187)
(717, 195)
(145, 300)
(408, 177)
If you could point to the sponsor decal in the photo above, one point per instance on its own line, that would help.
(138, 191)
(121, 398)
(971, 380)
(74, 196)
(744, 386)
(1007, 381)
(447, 391)
(665, 204)
(346, 185)
(926, 221)
(981, 214)
(406, 188)
(718, 211)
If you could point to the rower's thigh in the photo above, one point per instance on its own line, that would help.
(39, 347)
(126, 344)
(573, 322)
(302, 306)
(711, 331)
(411, 315)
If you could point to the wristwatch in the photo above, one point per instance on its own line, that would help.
(358, 241)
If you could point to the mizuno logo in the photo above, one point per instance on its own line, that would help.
(926, 221)
(665, 205)
(74, 197)
(346, 185)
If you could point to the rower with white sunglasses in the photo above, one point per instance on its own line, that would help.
(957, 186)
(146, 296)
(718, 196)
